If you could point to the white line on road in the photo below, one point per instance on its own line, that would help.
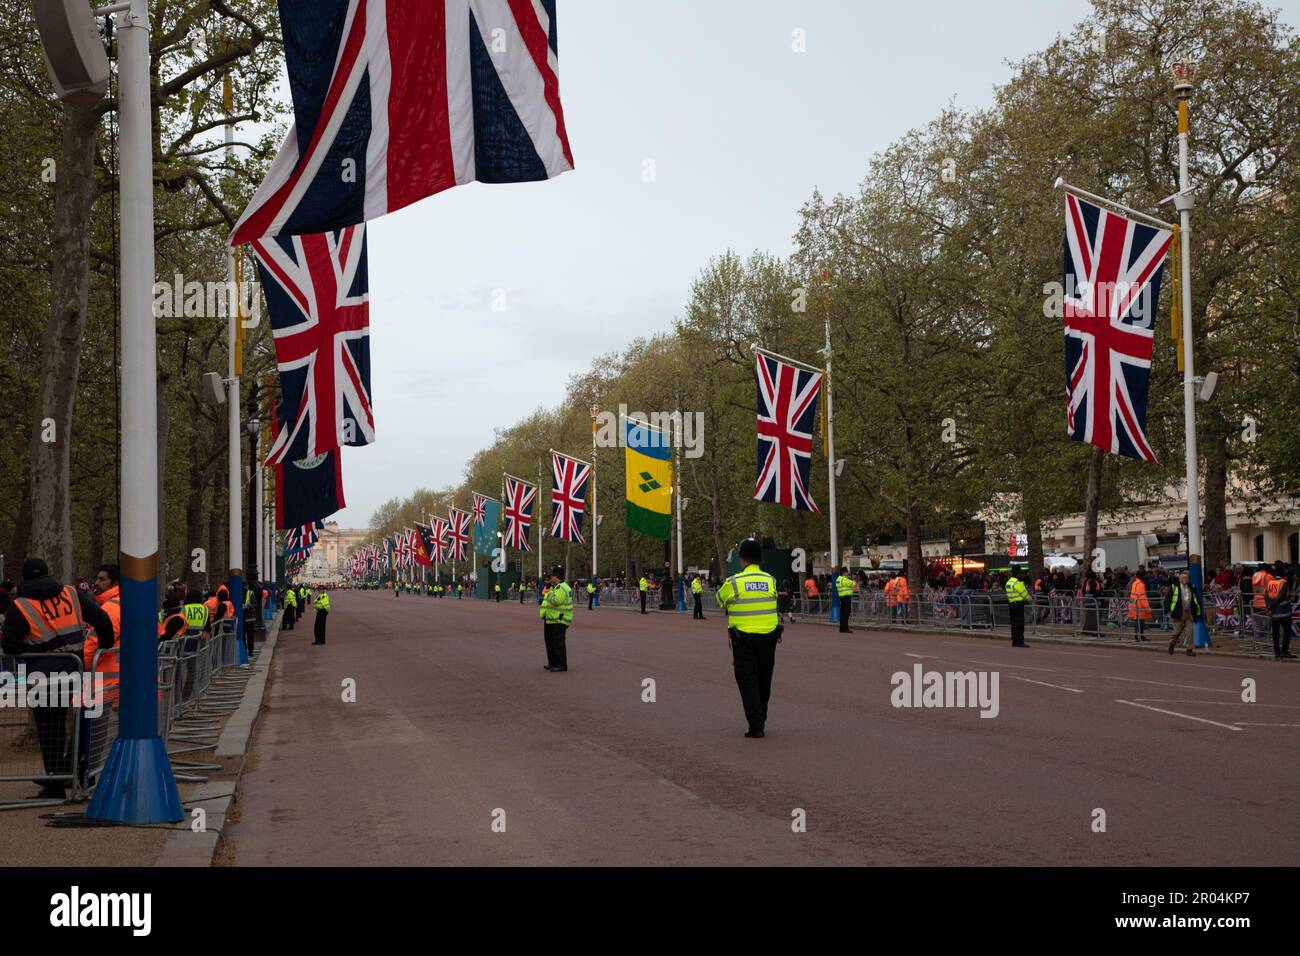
(1139, 680)
(1217, 667)
(1242, 723)
(1211, 703)
(1024, 667)
(1043, 683)
(922, 656)
(1174, 713)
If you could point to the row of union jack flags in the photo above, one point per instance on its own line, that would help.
(448, 539)
(393, 101)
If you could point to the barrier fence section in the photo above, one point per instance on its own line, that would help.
(62, 737)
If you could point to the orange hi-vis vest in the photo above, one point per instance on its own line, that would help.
(110, 602)
(1139, 608)
(162, 625)
(1260, 580)
(1274, 587)
(53, 618)
(901, 591)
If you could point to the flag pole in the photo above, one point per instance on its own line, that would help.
(830, 442)
(595, 510)
(539, 530)
(234, 342)
(680, 584)
(137, 784)
(1183, 202)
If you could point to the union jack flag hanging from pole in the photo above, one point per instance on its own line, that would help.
(441, 544)
(1113, 266)
(519, 499)
(568, 496)
(395, 100)
(787, 411)
(318, 297)
(458, 533)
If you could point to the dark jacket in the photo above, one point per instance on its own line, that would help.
(1175, 602)
(1279, 607)
(42, 589)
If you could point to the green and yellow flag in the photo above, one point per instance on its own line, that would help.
(649, 473)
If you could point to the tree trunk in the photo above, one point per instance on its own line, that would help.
(74, 196)
(96, 535)
(164, 430)
(1034, 532)
(22, 527)
(1215, 515)
(915, 570)
(218, 541)
(1092, 505)
(194, 520)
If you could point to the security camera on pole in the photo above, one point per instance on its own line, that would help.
(137, 784)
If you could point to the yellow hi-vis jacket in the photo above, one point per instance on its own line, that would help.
(557, 606)
(1017, 593)
(322, 602)
(749, 598)
(844, 585)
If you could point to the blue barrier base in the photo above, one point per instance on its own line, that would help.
(835, 614)
(1202, 634)
(137, 785)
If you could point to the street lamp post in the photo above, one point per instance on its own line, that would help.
(137, 784)
(1184, 74)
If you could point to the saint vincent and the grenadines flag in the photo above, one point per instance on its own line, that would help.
(649, 474)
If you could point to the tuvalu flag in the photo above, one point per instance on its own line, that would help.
(487, 515)
(649, 473)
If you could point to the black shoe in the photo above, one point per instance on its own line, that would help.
(318, 642)
(753, 733)
(53, 791)
(1288, 654)
(1021, 644)
(1171, 646)
(1190, 652)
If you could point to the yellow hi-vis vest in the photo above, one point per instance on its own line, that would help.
(196, 616)
(844, 585)
(557, 608)
(289, 599)
(322, 602)
(644, 585)
(749, 598)
(696, 586)
(1017, 593)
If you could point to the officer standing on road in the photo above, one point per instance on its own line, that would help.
(497, 588)
(557, 615)
(697, 592)
(322, 606)
(1017, 598)
(844, 588)
(644, 585)
(591, 594)
(749, 599)
(290, 608)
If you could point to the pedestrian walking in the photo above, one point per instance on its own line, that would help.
(1280, 597)
(1184, 610)
(749, 599)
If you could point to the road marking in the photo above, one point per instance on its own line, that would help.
(1047, 650)
(1174, 713)
(1042, 683)
(1139, 680)
(1242, 723)
(1024, 667)
(1211, 703)
(1217, 667)
(922, 656)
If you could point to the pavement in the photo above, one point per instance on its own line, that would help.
(460, 750)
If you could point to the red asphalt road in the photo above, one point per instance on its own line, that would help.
(455, 720)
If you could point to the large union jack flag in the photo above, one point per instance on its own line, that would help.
(458, 533)
(787, 411)
(395, 100)
(1113, 266)
(303, 537)
(317, 294)
(519, 498)
(568, 496)
(441, 541)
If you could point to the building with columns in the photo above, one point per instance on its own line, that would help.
(328, 561)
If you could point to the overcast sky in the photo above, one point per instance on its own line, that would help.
(741, 129)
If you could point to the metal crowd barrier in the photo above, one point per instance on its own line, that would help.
(40, 730)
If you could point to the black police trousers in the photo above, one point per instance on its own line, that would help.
(698, 614)
(1017, 609)
(753, 657)
(557, 655)
(320, 625)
